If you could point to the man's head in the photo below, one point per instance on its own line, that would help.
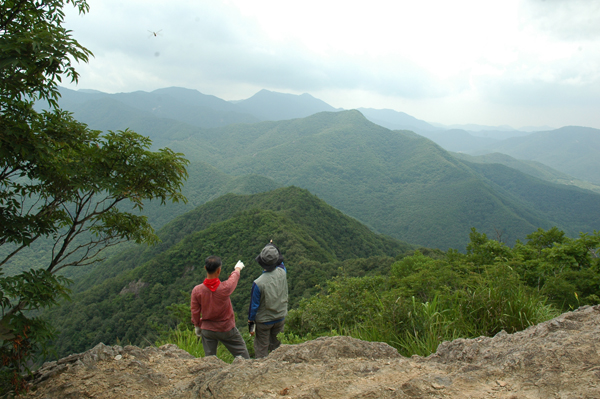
(212, 264)
(269, 257)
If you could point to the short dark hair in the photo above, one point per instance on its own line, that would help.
(212, 263)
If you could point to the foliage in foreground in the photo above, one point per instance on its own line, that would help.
(59, 180)
(425, 301)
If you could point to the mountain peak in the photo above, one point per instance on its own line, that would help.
(272, 105)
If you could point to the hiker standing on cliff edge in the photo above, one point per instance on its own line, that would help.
(268, 303)
(212, 313)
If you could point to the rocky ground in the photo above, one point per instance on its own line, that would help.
(556, 359)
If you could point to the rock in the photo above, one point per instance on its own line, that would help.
(558, 358)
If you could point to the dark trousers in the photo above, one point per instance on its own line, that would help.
(232, 340)
(265, 339)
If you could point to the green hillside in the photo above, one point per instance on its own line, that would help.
(561, 205)
(128, 294)
(397, 182)
(571, 149)
(106, 113)
(457, 140)
(205, 183)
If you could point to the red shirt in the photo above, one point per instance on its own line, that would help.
(212, 310)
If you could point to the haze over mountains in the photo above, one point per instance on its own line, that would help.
(396, 182)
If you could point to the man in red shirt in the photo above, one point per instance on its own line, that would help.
(212, 313)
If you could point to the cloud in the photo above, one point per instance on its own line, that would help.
(568, 20)
(197, 44)
(416, 55)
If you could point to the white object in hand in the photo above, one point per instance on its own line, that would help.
(198, 331)
(239, 265)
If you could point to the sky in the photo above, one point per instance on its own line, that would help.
(489, 62)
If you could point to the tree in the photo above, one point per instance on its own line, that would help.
(59, 180)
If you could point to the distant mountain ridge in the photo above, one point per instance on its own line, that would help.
(350, 163)
(395, 120)
(184, 105)
(273, 106)
(197, 109)
(203, 110)
(574, 150)
(532, 168)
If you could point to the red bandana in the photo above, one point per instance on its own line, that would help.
(212, 283)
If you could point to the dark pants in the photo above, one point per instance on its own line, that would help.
(265, 339)
(232, 340)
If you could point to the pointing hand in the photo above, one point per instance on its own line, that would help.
(239, 265)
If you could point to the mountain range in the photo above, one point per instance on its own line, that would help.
(396, 182)
(201, 110)
(339, 194)
(574, 150)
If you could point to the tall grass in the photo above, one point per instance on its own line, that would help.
(484, 304)
(499, 302)
(189, 342)
(429, 325)
(426, 326)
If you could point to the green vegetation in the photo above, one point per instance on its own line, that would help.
(60, 180)
(68, 193)
(205, 183)
(127, 297)
(424, 301)
(396, 182)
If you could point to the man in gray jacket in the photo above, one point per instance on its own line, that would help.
(269, 299)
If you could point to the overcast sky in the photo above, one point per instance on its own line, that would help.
(502, 62)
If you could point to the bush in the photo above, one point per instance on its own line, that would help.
(423, 303)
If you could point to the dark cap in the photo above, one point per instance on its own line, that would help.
(269, 257)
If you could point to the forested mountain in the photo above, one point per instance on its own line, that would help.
(160, 109)
(396, 182)
(205, 183)
(458, 140)
(572, 149)
(129, 294)
(452, 138)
